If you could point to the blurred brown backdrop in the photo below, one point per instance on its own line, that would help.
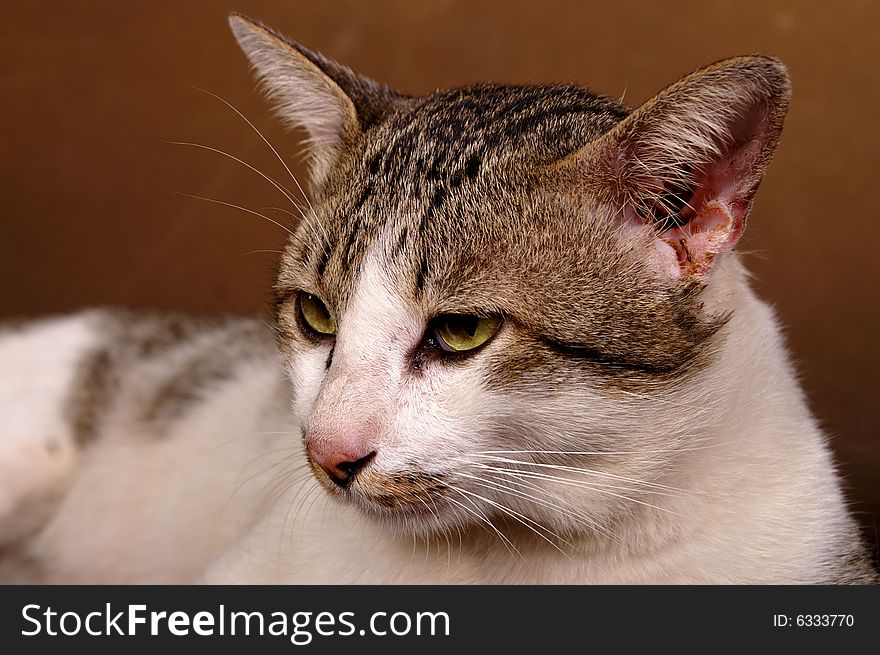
(91, 92)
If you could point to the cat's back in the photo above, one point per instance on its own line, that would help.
(107, 402)
(71, 371)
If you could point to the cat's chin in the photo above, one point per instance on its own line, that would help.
(410, 503)
(410, 521)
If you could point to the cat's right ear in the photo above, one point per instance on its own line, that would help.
(330, 101)
(683, 168)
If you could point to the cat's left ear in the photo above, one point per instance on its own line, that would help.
(688, 162)
(334, 104)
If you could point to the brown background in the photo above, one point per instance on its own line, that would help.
(91, 92)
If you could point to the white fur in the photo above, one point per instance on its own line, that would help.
(37, 454)
(143, 509)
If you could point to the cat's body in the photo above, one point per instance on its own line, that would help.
(616, 406)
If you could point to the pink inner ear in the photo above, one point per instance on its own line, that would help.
(715, 214)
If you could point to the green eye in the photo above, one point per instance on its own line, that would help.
(460, 332)
(315, 315)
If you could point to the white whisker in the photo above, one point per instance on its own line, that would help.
(269, 179)
(484, 520)
(584, 471)
(578, 516)
(234, 206)
(265, 140)
(599, 489)
(532, 525)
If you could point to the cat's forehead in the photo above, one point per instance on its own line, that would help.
(454, 133)
(444, 181)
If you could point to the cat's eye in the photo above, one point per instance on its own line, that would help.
(315, 315)
(461, 332)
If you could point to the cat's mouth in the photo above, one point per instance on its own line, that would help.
(409, 493)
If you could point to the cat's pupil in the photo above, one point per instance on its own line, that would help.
(464, 324)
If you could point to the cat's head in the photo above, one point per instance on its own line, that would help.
(498, 299)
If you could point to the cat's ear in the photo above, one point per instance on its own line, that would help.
(330, 101)
(688, 162)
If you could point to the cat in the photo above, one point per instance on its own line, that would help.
(512, 343)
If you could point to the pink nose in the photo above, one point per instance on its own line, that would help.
(340, 467)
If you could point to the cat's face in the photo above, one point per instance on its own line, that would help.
(493, 308)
